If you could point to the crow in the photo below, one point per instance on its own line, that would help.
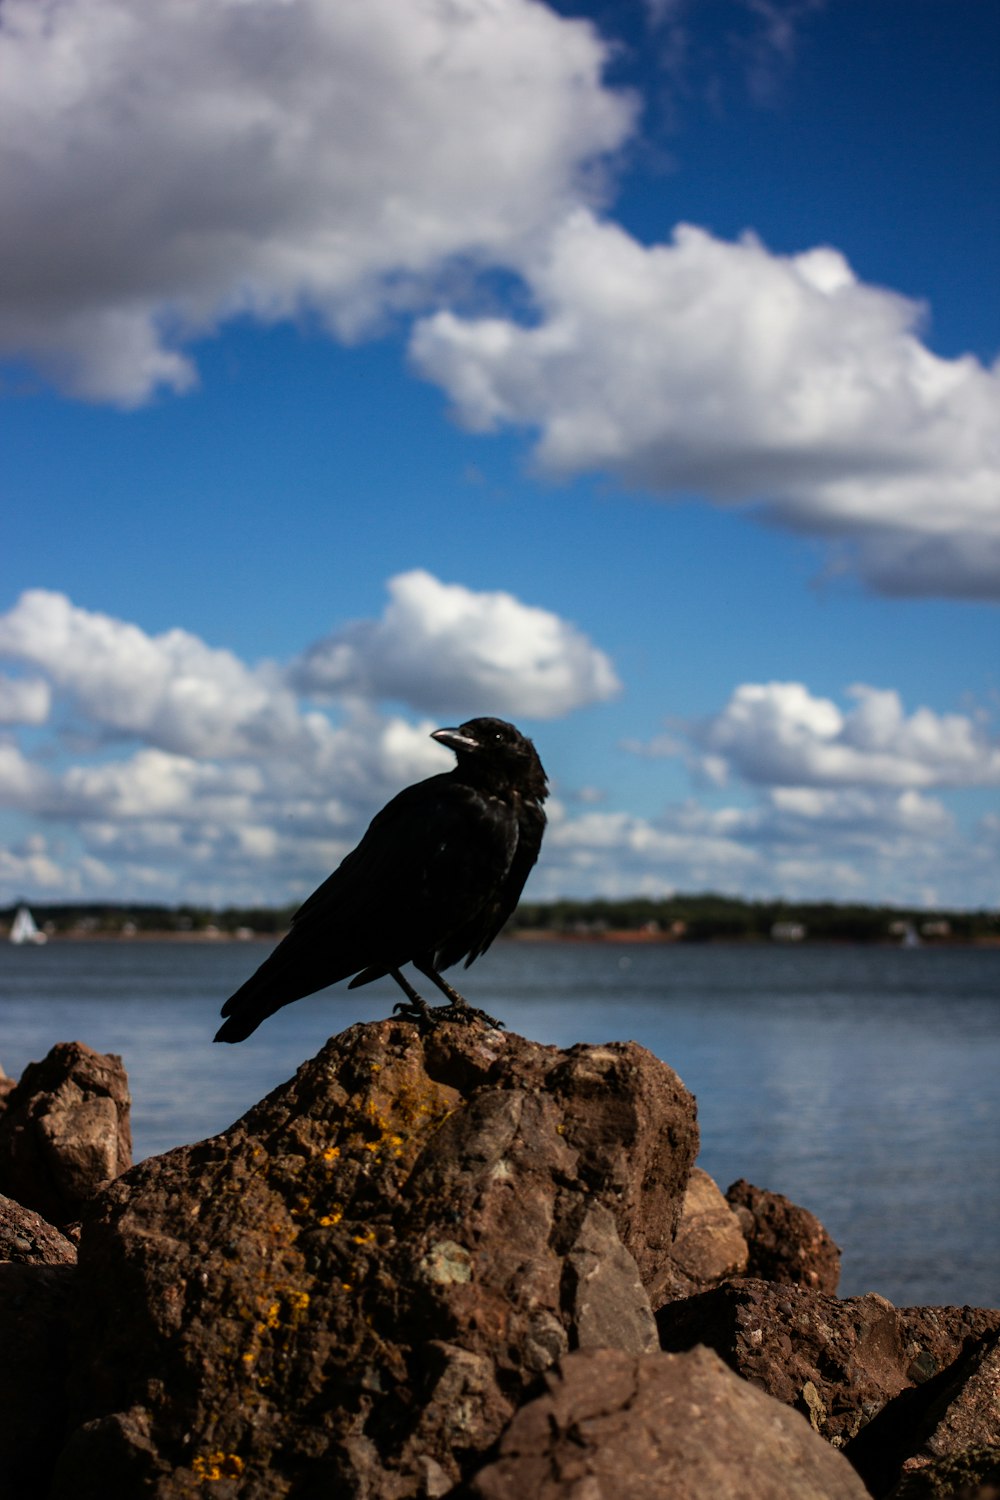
(434, 879)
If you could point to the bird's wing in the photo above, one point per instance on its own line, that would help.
(429, 859)
(427, 863)
(477, 935)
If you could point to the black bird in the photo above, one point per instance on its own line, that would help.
(434, 879)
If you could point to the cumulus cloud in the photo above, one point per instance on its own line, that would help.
(166, 768)
(779, 734)
(165, 167)
(876, 845)
(171, 690)
(24, 700)
(32, 867)
(444, 648)
(619, 854)
(437, 647)
(705, 366)
(170, 765)
(23, 784)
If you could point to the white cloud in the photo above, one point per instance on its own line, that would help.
(879, 845)
(33, 868)
(218, 829)
(444, 648)
(808, 811)
(703, 366)
(171, 690)
(619, 853)
(23, 784)
(165, 167)
(779, 734)
(24, 700)
(183, 772)
(180, 768)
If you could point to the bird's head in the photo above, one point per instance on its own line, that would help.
(492, 749)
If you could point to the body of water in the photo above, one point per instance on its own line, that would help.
(862, 1083)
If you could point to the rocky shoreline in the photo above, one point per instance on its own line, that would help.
(459, 1265)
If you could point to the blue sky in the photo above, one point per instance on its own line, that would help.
(627, 370)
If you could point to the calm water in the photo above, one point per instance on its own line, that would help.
(863, 1084)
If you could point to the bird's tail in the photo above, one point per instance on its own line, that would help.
(245, 1020)
(252, 1003)
(300, 965)
(293, 970)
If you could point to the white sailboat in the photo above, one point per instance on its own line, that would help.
(23, 929)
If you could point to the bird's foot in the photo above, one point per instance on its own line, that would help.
(461, 1010)
(414, 1009)
(428, 1017)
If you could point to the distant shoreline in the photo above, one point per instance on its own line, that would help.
(624, 937)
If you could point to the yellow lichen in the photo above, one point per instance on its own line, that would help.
(213, 1466)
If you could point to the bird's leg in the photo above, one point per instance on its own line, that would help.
(415, 1008)
(458, 1008)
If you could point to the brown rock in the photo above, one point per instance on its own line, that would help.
(34, 1318)
(709, 1246)
(26, 1238)
(608, 1303)
(787, 1244)
(65, 1131)
(839, 1362)
(663, 1427)
(952, 1412)
(350, 1290)
(971, 1475)
(970, 1418)
(634, 1143)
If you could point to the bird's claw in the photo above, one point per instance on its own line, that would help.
(428, 1017)
(414, 1009)
(468, 1013)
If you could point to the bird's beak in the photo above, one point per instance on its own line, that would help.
(454, 739)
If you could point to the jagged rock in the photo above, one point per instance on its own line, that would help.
(709, 1245)
(65, 1131)
(27, 1239)
(970, 1418)
(351, 1289)
(952, 1411)
(972, 1475)
(839, 1362)
(663, 1426)
(787, 1244)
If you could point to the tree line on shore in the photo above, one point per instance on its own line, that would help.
(701, 917)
